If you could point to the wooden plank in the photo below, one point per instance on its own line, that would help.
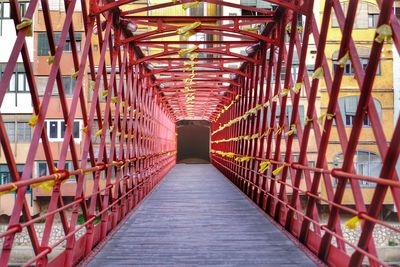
(194, 218)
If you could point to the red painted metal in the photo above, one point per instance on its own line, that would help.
(137, 95)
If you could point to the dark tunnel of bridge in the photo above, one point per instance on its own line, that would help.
(193, 141)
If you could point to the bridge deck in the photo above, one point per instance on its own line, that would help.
(196, 217)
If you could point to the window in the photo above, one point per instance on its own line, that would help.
(365, 163)
(5, 176)
(349, 70)
(18, 131)
(5, 12)
(96, 139)
(43, 169)
(373, 20)
(18, 81)
(348, 107)
(43, 44)
(56, 129)
(23, 132)
(373, 15)
(288, 116)
(10, 129)
(289, 113)
(367, 15)
(68, 83)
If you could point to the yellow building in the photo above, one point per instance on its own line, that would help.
(367, 160)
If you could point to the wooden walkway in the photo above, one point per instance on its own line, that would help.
(196, 217)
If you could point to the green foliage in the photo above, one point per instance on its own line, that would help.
(81, 220)
(392, 243)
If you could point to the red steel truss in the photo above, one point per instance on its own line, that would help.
(148, 84)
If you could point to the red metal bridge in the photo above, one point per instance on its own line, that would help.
(131, 89)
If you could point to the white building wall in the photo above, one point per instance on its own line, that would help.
(22, 102)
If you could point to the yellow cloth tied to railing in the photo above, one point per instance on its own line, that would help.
(264, 165)
(185, 51)
(99, 132)
(318, 74)
(187, 35)
(324, 116)
(343, 60)
(353, 222)
(26, 22)
(12, 189)
(193, 56)
(285, 92)
(33, 120)
(243, 159)
(188, 28)
(297, 87)
(47, 186)
(384, 32)
(190, 5)
(280, 169)
(292, 130)
(255, 136)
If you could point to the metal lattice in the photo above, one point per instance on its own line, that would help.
(132, 82)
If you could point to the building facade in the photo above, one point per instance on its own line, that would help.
(367, 161)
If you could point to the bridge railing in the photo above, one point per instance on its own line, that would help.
(314, 147)
(98, 138)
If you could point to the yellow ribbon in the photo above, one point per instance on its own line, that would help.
(352, 222)
(255, 136)
(285, 92)
(307, 120)
(50, 59)
(189, 27)
(324, 116)
(343, 60)
(46, 186)
(318, 74)
(185, 51)
(75, 75)
(243, 159)
(12, 189)
(264, 166)
(98, 133)
(279, 131)
(297, 87)
(193, 56)
(33, 120)
(292, 130)
(187, 35)
(278, 170)
(384, 32)
(190, 5)
(26, 22)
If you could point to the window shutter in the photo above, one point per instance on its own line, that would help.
(342, 108)
(301, 115)
(351, 103)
